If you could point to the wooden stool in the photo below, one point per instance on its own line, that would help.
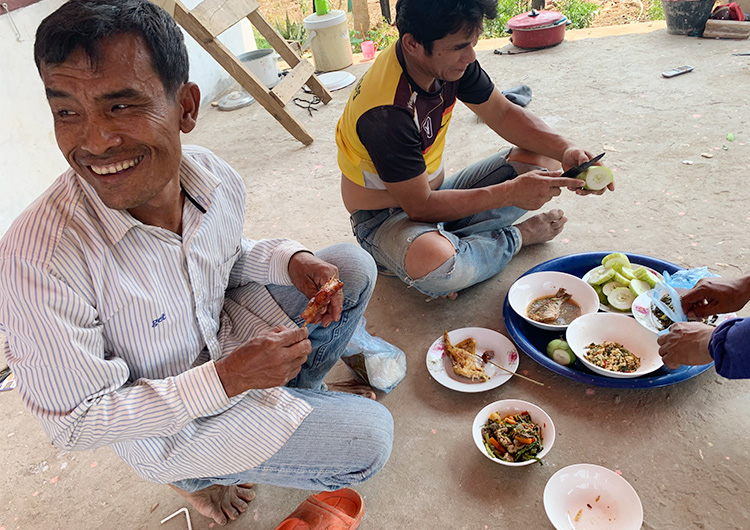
(211, 18)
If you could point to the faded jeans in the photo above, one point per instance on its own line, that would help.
(485, 242)
(346, 438)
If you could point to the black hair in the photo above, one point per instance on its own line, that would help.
(431, 20)
(86, 23)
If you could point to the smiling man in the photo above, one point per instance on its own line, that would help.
(438, 234)
(137, 314)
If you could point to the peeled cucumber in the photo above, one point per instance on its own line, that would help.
(597, 177)
(628, 273)
(638, 287)
(609, 287)
(600, 275)
(621, 298)
(622, 280)
(643, 274)
(616, 261)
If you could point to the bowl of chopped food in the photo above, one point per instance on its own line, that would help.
(551, 300)
(584, 496)
(513, 432)
(614, 345)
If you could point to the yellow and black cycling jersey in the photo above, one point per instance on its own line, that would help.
(392, 130)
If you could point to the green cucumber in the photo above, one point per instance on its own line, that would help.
(616, 263)
(600, 292)
(615, 255)
(627, 272)
(600, 275)
(638, 287)
(643, 274)
(622, 280)
(621, 299)
(560, 352)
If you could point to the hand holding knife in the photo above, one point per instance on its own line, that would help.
(575, 171)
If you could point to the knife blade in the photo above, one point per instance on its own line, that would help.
(575, 171)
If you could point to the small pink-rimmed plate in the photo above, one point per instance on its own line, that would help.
(506, 355)
(643, 312)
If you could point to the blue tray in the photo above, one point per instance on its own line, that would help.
(533, 341)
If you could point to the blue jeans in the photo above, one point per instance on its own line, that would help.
(346, 439)
(484, 242)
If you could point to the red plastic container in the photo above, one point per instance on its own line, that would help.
(537, 29)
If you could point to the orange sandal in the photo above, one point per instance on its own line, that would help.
(329, 510)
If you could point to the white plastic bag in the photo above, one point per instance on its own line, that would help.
(374, 361)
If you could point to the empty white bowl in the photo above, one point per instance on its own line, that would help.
(604, 500)
(514, 406)
(546, 283)
(600, 327)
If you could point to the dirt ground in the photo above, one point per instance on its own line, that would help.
(680, 197)
(612, 12)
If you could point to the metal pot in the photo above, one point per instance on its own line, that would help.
(263, 64)
(537, 29)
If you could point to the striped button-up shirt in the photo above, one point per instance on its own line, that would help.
(113, 326)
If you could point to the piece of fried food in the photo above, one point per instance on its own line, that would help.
(463, 358)
(321, 299)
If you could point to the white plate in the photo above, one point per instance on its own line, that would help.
(601, 327)
(605, 307)
(336, 80)
(576, 488)
(643, 313)
(440, 367)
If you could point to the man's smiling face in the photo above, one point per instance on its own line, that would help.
(116, 125)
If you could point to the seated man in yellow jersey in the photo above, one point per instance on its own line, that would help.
(442, 235)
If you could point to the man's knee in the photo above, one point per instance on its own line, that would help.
(533, 159)
(427, 253)
(357, 269)
(379, 441)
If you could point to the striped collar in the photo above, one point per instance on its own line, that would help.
(196, 181)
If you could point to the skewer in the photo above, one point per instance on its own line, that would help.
(509, 371)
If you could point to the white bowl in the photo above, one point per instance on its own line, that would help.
(576, 488)
(538, 284)
(514, 406)
(601, 327)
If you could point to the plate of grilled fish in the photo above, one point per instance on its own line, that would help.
(465, 359)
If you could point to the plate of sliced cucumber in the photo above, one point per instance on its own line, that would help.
(534, 342)
(619, 281)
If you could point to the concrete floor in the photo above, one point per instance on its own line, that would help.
(684, 448)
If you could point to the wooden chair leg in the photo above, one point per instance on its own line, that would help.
(241, 74)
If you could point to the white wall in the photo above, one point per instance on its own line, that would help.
(29, 158)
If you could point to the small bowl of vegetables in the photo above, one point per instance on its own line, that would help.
(513, 432)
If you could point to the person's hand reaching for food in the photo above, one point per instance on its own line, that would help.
(713, 296)
(686, 343)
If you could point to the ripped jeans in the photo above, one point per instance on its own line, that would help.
(485, 242)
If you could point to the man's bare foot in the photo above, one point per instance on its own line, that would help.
(542, 227)
(220, 503)
(450, 296)
(352, 387)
